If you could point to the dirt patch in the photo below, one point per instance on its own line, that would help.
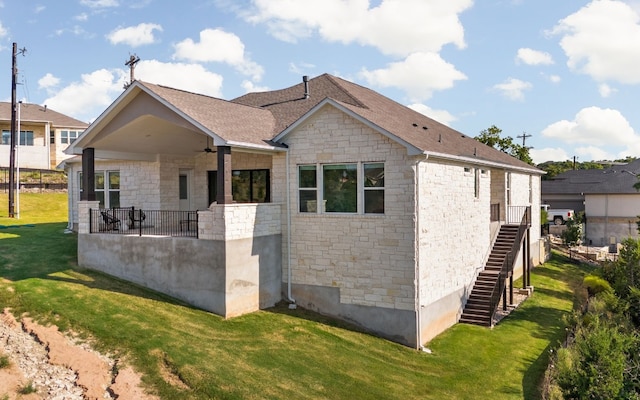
(57, 367)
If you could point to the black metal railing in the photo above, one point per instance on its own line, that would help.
(507, 264)
(135, 221)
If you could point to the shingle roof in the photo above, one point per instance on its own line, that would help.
(232, 122)
(36, 113)
(257, 118)
(618, 179)
(430, 136)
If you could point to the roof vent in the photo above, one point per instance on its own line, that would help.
(305, 80)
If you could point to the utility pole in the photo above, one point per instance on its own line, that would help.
(131, 63)
(14, 134)
(524, 137)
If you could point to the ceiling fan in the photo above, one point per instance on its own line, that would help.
(208, 149)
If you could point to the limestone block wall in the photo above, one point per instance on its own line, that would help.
(454, 227)
(368, 258)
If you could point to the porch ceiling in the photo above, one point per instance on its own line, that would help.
(149, 134)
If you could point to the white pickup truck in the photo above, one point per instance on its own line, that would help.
(557, 215)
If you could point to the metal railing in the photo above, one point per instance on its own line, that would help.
(509, 260)
(134, 221)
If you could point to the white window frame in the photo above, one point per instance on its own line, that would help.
(319, 189)
(106, 190)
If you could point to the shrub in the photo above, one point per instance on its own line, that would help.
(596, 284)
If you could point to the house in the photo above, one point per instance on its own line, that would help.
(44, 135)
(610, 203)
(325, 194)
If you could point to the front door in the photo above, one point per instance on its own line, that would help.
(184, 184)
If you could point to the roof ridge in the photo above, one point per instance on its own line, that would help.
(334, 81)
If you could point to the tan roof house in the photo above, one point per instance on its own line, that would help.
(325, 194)
(44, 135)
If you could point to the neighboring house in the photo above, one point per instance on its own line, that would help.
(44, 135)
(610, 202)
(325, 194)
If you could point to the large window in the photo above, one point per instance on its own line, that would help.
(68, 137)
(341, 185)
(26, 138)
(247, 186)
(107, 187)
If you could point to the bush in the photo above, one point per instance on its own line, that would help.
(594, 367)
(596, 284)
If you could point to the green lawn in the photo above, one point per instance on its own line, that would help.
(277, 353)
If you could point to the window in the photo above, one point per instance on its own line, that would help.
(373, 188)
(247, 186)
(26, 138)
(508, 186)
(68, 137)
(308, 188)
(341, 185)
(107, 190)
(340, 189)
(476, 183)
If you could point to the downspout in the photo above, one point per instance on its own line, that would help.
(417, 261)
(291, 300)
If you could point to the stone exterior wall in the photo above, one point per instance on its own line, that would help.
(454, 226)
(368, 258)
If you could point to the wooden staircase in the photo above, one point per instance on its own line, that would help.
(482, 302)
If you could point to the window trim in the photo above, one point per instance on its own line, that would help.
(320, 184)
(106, 190)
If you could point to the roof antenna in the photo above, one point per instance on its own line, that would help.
(305, 80)
(131, 63)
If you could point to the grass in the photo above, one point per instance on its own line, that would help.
(185, 353)
(28, 388)
(4, 362)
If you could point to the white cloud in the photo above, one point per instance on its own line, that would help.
(548, 154)
(513, 89)
(442, 116)
(533, 57)
(134, 36)
(419, 75)
(86, 99)
(250, 87)
(300, 68)
(606, 90)
(601, 40)
(3, 31)
(398, 27)
(81, 17)
(99, 3)
(48, 82)
(594, 153)
(555, 78)
(217, 45)
(39, 9)
(594, 126)
(191, 77)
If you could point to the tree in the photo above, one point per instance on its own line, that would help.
(491, 137)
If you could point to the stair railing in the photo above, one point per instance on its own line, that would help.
(509, 261)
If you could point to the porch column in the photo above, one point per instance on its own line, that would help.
(88, 174)
(224, 196)
(527, 240)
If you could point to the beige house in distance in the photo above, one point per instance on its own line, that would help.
(325, 194)
(44, 135)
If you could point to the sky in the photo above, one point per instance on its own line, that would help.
(563, 74)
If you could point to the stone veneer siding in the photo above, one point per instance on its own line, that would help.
(356, 259)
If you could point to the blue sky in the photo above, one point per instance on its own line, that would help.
(565, 72)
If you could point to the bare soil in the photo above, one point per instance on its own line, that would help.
(57, 367)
